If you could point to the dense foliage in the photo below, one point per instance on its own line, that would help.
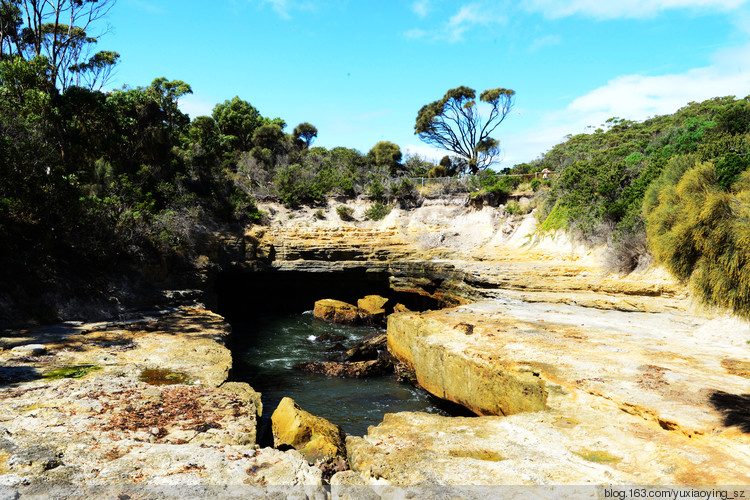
(675, 187)
(98, 183)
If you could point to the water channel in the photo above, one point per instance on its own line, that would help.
(272, 331)
(267, 348)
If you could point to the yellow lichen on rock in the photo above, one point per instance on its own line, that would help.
(315, 437)
(336, 311)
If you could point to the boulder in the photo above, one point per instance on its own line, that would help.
(372, 308)
(336, 311)
(317, 439)
(29, 350)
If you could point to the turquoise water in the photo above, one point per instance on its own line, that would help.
(268, 346)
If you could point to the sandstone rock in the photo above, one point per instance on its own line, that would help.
(246, 393)
(372, 308)
(400, 308)
(336, 311)
(109, 427)
(315, 438)
(444, 367)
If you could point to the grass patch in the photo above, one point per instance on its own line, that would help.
(556, 219)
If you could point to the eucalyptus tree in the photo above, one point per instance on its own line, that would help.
(304, 134)
(61, 31)
(454, 123)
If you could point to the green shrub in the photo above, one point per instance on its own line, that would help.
(513, 207)
(376, 191)
(345, 213)
(378, 211)
(535, 185)
(319, 214)
(406, 194)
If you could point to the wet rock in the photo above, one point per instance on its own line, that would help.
(317, 439)
(336, 311)
(330, 337)
(367, 348)
(356, 369)
(400, 308)
(338, 348)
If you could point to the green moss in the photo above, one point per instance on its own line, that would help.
(72, 371)
(598, 456)
(159, 376)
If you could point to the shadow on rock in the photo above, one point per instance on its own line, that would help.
(12, 375)
(734, 407)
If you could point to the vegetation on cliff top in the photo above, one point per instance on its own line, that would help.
(675, 187)
(98, 181)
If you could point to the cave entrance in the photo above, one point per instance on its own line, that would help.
(294, 291)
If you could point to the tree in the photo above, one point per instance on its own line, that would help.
(60, 30)
(237, 120)
(304, 134)
(167, 93)
(386, 153)
(453, 123)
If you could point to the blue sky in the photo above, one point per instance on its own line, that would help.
(361, 70)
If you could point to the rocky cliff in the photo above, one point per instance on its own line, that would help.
(577, 376)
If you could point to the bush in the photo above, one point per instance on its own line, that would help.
(513, 207)
(535, 184)
(376, 191)
(700, 233)
(437, 171)
(406, 194)
(378, 211)
(345, 213)
(319, 214)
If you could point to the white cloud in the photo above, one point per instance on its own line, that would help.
(467, 17)
(421, 7)
(284, 8)
(634, 97)
(633, 9)
(547, 41)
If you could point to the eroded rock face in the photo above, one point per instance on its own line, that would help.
(336, 311)
(560, 446)
(317, 439)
